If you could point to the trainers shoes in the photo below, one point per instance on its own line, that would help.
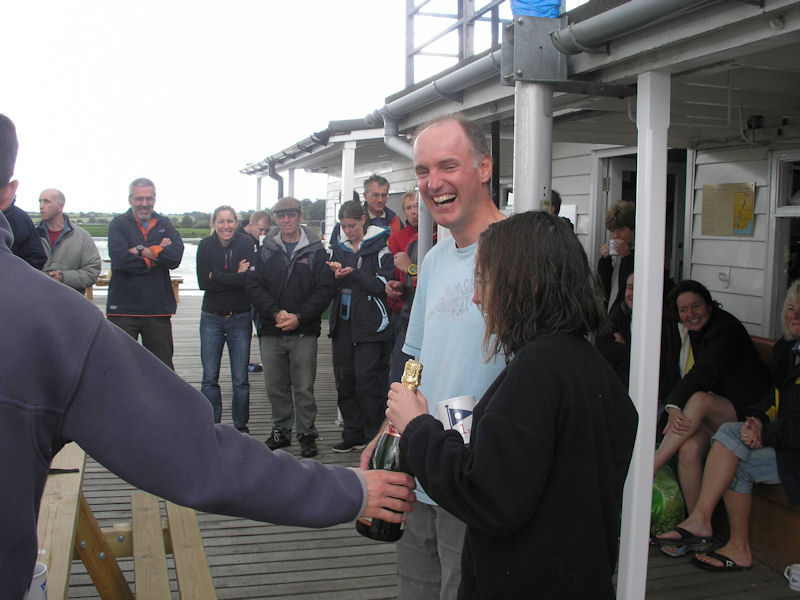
(278, 439)
(308, 445)
(345, 446)
(255, 367)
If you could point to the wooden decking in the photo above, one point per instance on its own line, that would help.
(257, 560)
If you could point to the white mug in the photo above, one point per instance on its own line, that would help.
(613, 248)
(792, 574)
(38, 589)
(456, 413)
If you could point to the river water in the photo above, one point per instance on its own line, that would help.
(187, 268)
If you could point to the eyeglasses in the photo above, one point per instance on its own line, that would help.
(286, 214)
(376, 195)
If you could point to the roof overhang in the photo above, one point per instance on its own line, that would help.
(735, 76)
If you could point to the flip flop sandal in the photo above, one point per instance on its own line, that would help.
(727, 563)
(687, 539)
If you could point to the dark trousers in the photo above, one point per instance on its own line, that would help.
(362, 373)
(399, 357)
(156, 334)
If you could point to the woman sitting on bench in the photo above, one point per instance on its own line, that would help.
(765, 448)
(722, 374)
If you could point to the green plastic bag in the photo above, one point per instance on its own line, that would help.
(667, 508)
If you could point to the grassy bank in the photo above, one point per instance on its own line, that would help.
(102, 231)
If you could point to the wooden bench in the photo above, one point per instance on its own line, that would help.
(68, 530)
(774, 523)
(58, 516)
(104, 279)
(149, 539)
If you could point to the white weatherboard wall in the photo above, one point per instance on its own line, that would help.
(572, 178)
(743, 260)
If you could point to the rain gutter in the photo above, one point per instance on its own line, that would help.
(307, 145)
(593, 34)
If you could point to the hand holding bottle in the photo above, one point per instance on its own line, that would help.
(389, 495)
(385, 454)
(404, 406)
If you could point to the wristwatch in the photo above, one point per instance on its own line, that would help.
(139, 249)
(412, 270)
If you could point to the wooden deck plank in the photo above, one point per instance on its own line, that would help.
(250, 560)
(149, 558)
(194, 578)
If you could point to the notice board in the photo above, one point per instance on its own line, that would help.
(729, 209)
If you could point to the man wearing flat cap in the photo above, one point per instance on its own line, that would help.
(290, 289)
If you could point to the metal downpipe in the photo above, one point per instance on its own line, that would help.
(391, 138)
(274, 174)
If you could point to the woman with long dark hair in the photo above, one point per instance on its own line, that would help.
(539, 486)
(223, 260)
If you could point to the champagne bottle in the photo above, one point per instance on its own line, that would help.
(387, 455)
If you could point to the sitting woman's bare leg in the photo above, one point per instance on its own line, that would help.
(701, 408)
(717, 475)
(738, 505)
(691, 456)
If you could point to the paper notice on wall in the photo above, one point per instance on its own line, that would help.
(728, 209)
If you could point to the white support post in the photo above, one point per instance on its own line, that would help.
(258, 192)
(348, 169)
(290, 191)
(424, 229)
(533, 145)
(652, 120)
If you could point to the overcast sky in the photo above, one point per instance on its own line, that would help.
(185, 93)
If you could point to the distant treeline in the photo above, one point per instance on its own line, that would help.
(189, 225)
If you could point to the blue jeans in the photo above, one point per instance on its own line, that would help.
(755, 466)
(215, 332)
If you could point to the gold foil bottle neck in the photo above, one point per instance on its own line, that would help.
(412, 375)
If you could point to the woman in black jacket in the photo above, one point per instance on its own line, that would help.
(722, 374)
(765, 448)
(223, 260)
(540, 483)
(359, 325)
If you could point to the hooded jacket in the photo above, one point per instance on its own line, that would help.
(373, 266)
(301, 284)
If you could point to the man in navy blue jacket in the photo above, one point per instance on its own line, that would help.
(143, 246)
